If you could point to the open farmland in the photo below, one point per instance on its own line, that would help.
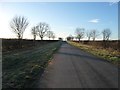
(110, 53)
(21, 67)
(59, 45)
(111, 44)
(13, 44)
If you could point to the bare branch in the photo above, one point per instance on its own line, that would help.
(94, 34)
(42, 28)
(89, 35)
(34, 32)
(50, 34)
(80, 33)
(106, 34)
(18, 25)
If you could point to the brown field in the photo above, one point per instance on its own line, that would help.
(112, 44)
(23, 65)
(110, 50)
(12, 44)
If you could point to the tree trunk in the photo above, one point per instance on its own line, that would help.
(19, 36)
(93, 39)
(34, 37)
(41, 38)
(79, 40)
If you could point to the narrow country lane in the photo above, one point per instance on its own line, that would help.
(74, 68)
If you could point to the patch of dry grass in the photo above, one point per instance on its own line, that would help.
(109, 54)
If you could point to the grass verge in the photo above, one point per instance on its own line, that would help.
(110, 55)
(20, 69)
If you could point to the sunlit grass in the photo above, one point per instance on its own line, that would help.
(108, 54)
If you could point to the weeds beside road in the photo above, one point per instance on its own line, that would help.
(20, 69)
(108, 54)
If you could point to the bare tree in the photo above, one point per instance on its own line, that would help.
(34, 32)
(89, 35)
(70, 37)
(49, 34)
(18, 25)
(42, 28)
(106, 34)
(80, 33)
(94, 34)
(53, 36)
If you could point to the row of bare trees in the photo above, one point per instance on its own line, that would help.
(42, 30)
(20, 23)
(93, 34)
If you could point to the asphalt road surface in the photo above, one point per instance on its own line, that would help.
(74, 68)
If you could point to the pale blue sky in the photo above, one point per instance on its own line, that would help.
(63, 18)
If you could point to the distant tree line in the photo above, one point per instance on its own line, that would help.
(42, 29)
(91, 34)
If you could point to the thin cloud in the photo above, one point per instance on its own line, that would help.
(94, 21)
